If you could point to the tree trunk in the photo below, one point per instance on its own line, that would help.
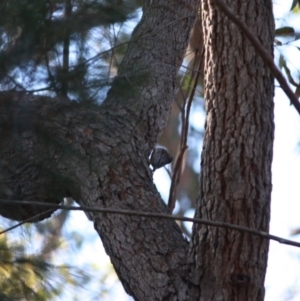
(235, 184)
(99, 154)
(52, 148)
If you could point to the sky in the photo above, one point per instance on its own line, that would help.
(284, 261)
(283, 274)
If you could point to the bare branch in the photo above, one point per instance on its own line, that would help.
(28, 220)
(267, 58)
(160, 215)
(185, 112)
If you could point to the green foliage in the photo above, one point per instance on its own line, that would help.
(29, 277)
(295, 4)
(47, 47)
(285, 31)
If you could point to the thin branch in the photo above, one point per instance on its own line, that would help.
(152, 34)
(66, 50)
(161, 215)
(16, 83)
(39, 90)
(27, 220)
(267, 58)
(50, 75)
(178, 166)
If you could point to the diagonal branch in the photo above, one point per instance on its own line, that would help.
(268, 60)
(179, 163)
(163, 216)
(103, 151)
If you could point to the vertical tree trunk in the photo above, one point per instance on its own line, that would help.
(235, 184)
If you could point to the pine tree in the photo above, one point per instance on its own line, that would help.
(64, 144)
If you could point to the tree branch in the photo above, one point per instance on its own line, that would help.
(103, 151)
(159, 215)
(268, 60)
(29, 44)
(179, 162)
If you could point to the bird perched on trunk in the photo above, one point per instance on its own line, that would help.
(159, 158)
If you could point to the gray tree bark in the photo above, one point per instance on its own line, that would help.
(52, 148)
(235, 184)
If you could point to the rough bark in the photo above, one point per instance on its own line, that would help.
(99, 156)
(235, 184)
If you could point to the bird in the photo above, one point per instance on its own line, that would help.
(159, 158)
